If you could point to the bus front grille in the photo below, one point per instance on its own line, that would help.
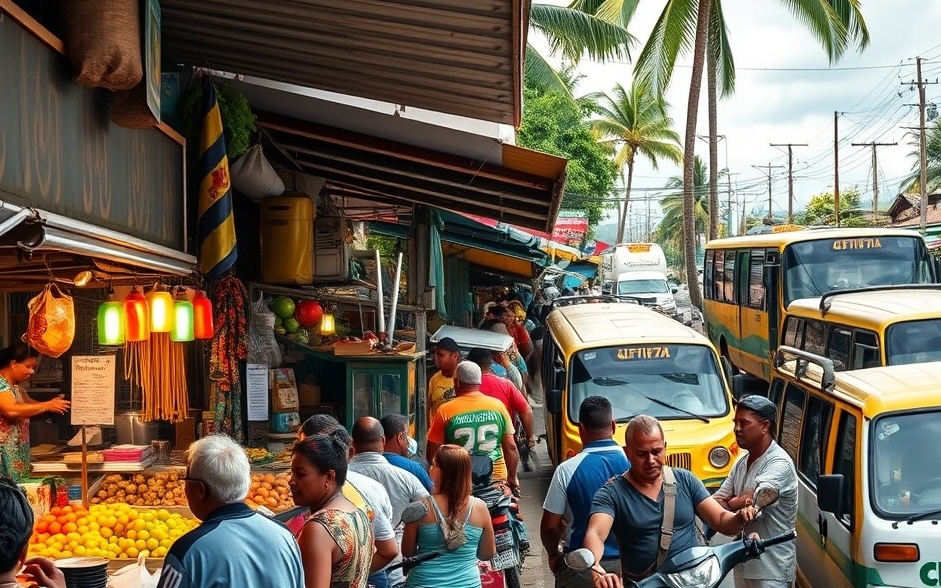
(680, 460)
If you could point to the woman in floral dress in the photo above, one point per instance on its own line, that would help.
(17, 364)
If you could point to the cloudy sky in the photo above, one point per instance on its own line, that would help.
(787, 92)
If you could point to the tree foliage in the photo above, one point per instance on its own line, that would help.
(933, 156)
(554, 124)
(670, 230)
(820, 207)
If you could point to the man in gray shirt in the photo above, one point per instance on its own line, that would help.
(768, 464)
(403, 487)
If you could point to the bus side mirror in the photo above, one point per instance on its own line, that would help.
(830, 493)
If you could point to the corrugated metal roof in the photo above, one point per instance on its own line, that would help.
(360, 165)
(450, 56)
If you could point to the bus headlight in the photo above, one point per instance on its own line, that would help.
(719, 457)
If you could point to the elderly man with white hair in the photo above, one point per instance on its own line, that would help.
(234, 545)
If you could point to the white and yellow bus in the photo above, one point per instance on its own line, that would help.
(864, 444)
(749, 281)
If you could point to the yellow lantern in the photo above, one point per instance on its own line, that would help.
(328, 324)
(161, 310)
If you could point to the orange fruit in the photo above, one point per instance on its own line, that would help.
(69, 528)
(54, 527)
(42, 526)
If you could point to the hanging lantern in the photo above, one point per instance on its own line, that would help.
(161, 310)
(111, 321)
(182, 317)
(328, 324)
(202, 316)
(136, 316)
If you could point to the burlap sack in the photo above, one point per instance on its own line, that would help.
(129, 108)
(103, 40)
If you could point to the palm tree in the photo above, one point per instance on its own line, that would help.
(634, 122)
(671, 230)
(583, 28)
(836, 24)
(933, 165)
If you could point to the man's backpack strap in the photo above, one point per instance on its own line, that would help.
(669, 510)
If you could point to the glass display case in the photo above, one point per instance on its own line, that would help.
(381, 387)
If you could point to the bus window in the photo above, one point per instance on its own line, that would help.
(756, 285)
(913, 342)
(838, 347)
(729, 280)
(719, 276)
(707, 283)
(844, 462)
(794, 332)
(866, 350)
(813, 445)
(813, 337)
(791, 421)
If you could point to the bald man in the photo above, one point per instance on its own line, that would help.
(404, 488)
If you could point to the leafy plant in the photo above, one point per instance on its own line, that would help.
(238, 120)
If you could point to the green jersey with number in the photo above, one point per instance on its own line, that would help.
(477, 423)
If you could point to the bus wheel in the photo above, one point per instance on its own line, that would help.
(724, 352)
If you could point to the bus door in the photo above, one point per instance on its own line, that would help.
(753, 315)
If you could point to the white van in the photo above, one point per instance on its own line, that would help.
(638, 271)
(865, 446)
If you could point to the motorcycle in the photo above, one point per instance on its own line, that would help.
(698, 567)
(508, 531)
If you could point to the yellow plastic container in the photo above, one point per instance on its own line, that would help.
(287, 240)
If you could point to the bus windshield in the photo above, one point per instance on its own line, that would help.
(913, 342)
(905, 471)
(643, 287)
(664, 381)
(812, 268)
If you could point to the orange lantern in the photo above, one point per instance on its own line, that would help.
(137, 316)
(202, 316)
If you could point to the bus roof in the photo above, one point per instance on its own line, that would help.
(604, 324)
(785, 238)
(885, 389)
(877, 308)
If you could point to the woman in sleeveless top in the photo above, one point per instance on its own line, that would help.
(453, 505)
(336, 541)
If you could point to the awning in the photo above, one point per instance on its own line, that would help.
(451, 56)
(523, 188)
(35, 243)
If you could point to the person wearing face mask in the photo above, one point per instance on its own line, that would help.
(17, 364)
(398, 445)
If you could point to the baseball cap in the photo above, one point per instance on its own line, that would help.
(760, 406)
(467, 372)
(448, 344)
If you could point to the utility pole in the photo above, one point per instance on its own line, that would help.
(836, 167)
(875, 174)
(731, 229)
(790, 176)
(922, 147)
(768, 173)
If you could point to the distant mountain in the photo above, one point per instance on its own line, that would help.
(606, 232)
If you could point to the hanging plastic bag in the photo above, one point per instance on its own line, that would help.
(262, 346)
(51, 322)
(253, 176)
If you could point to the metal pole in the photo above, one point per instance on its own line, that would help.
(836, 168)
(923, 149)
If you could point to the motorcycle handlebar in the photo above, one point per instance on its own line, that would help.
(782, 538)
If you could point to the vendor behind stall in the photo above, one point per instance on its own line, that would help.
(17, 364)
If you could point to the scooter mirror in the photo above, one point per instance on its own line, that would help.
(765, 495)
(580, 559)
(414, 512)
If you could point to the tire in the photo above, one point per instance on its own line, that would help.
(512, 577)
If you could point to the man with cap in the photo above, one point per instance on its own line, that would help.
(441, 386)
(768, 464)
(479, 424)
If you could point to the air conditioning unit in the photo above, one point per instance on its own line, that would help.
(331, 251)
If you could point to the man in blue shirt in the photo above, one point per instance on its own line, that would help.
(234, 545)
(395, 430)
(573, 485)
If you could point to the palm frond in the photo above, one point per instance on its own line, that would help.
(674, 32)
(540, 74)
(574, 34)
(619, 12)
(720, 51)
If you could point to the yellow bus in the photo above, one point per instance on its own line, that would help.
(864, 446)
(857, 329)
(750, 281)
(644, 363)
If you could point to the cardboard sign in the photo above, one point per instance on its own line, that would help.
(92, 390)
(283, 388)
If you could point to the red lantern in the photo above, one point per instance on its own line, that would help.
(137, 316)
(202, 316)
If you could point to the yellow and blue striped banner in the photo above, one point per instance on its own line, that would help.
(216, 229)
